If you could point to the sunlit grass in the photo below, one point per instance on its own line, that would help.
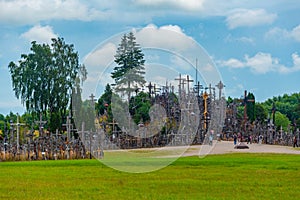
(230, 176)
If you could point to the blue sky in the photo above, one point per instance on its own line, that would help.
(254, 44)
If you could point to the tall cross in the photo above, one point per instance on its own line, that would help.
(41, 124)
(198, 87)
(18, 124)
(245, 100)
(273, 113)
(220, 86)
(92, 99)
(205, 96)
(210, 88)
(69, 126)
(188, 80)
(150, 87)
(180, 83)
(82, 132)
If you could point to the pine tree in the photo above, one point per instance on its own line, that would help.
(130, 70)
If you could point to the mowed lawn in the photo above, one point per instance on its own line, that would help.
(230, 176)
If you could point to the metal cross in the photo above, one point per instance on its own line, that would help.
(18, 124)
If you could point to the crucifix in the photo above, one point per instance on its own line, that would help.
(205, 113)
(188, 80)
(220, 86)
(41, 124)
(18, 124)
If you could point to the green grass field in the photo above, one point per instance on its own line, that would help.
(231, 176)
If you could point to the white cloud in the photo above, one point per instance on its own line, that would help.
(233, 63)
(262, 63)
(283, 34)
(296, 33)
(167, 37)
(101, 57)
(243, 39)
(249, 18)
(40, 34)
(34, 11)
(190, 5)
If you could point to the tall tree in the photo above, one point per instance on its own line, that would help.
(130, 70)
(43, 79)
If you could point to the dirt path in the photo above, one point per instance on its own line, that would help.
(224, 147)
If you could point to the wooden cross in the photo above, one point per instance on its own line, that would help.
(92, 99)
(198, 87)
(82, 132)
(41, 124)
(113, 123)
(188, 80)
(18, 124)
(150, 87)
(210, 88)
(69, 126)
(220, 86)
(180, 83)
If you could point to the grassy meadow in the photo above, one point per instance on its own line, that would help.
(230, 176)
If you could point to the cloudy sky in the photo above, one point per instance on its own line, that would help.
(253, 44)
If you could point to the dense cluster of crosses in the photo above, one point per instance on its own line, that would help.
(192, 113)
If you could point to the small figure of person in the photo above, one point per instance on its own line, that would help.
(295, 142)
(249, 139)
(234, 139)
(210, 139)
(260, 138)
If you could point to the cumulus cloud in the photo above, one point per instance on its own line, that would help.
(262, 63)
(167, 37)
(190, 5)
(102, 56)
(277, 33)
(34, 11)
(40, 34)
(249, 18)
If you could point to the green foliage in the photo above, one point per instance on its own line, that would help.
(260, 112)
(288, 105)
(139, 107)
(43, 78)
(281, 120)
(104, 102)
(130, 70)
